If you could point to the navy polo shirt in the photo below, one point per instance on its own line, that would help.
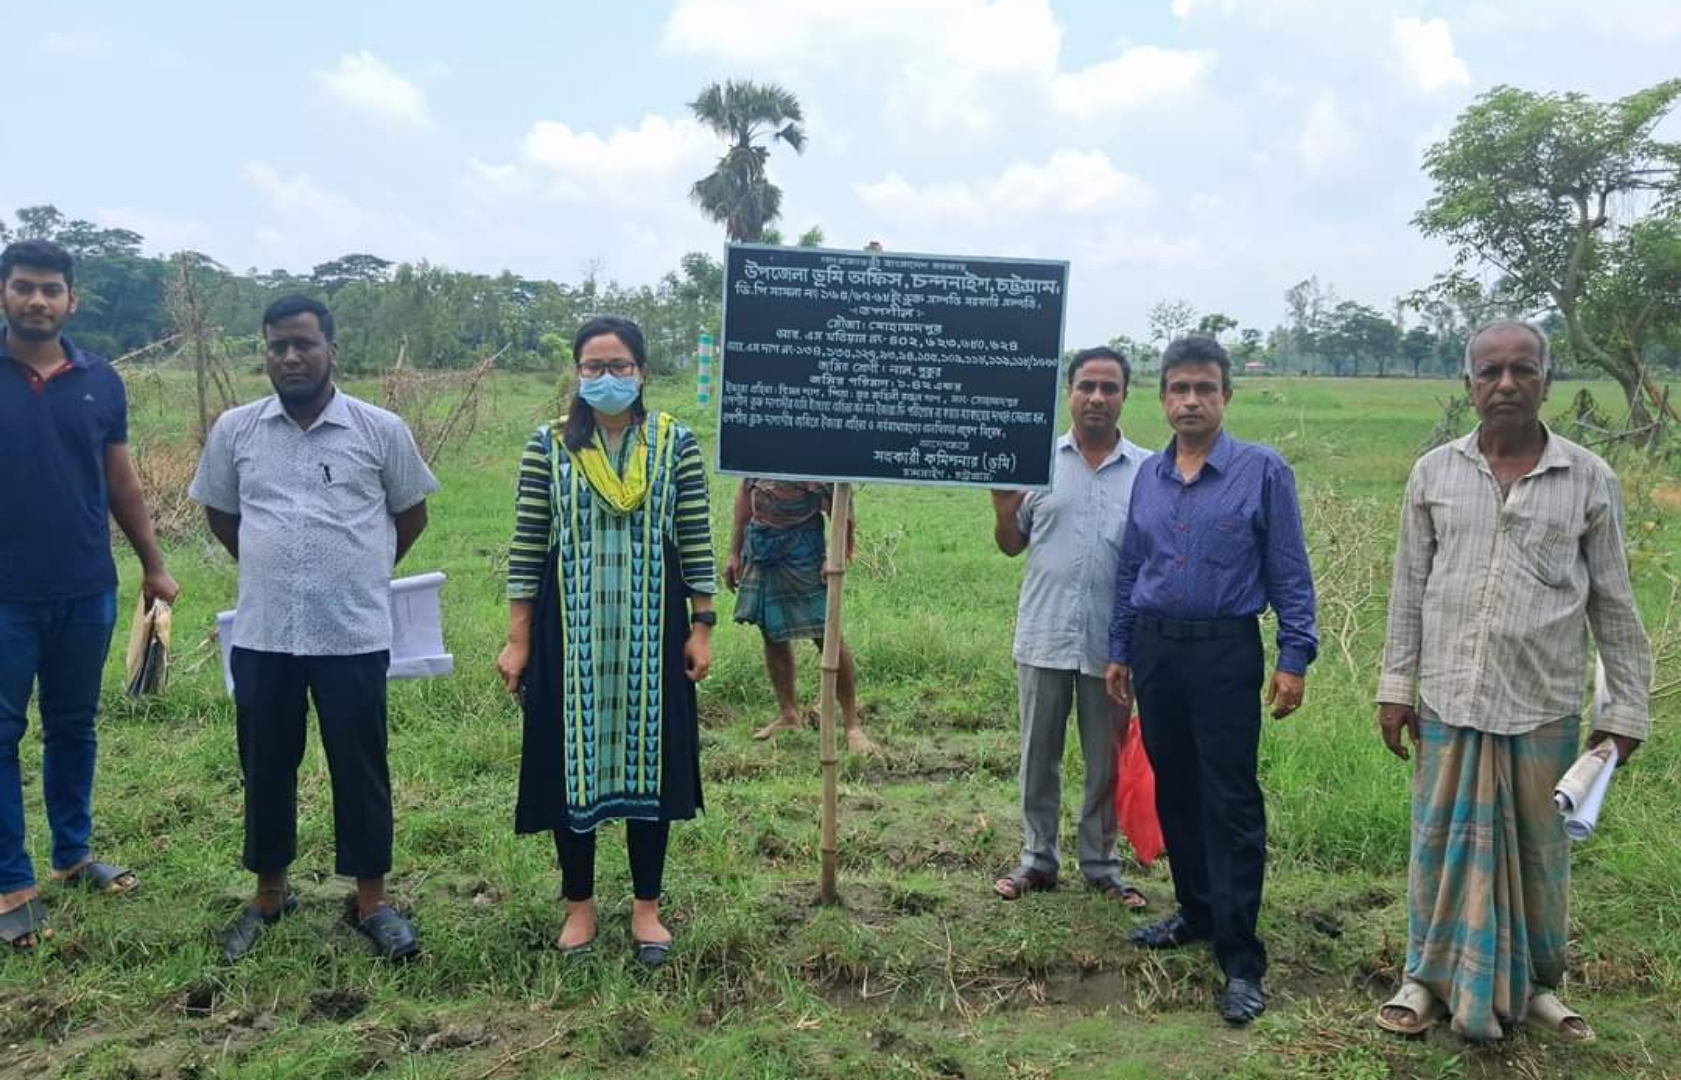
(55, 530)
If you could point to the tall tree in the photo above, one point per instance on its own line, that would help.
(737, 193)
(1169, 319)
(1556, 192)
(1215, 323)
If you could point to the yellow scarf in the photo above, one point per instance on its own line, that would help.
(621, 494)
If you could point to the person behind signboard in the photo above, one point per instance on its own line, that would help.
(1213, 537)
(65, 473)
(777, 551)
(317, 495)
(610, 585)
(1071, 534)
(1511, 549)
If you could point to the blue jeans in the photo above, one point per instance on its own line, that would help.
(62, 643)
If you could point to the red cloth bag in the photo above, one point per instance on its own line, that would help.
(1135, 797)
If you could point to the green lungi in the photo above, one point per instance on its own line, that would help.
(1488, 891)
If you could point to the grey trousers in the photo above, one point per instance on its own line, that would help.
(1047, 696)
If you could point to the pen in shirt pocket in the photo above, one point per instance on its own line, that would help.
(326, 473)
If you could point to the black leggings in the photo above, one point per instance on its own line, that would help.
(647, 843)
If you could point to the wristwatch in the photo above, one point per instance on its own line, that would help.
(704, 618)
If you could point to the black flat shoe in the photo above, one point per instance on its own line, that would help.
(1170, 933)
(651, 954)
(242, 936)
(393, 936)
(1242, 1001)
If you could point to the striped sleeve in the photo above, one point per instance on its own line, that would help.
(694, 519)
(532, 516)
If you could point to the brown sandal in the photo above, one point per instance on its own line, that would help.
(1021, 881)
(1116, 888)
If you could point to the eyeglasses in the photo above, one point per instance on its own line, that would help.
(595, 369)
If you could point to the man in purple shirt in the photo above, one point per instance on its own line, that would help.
(1213, 538)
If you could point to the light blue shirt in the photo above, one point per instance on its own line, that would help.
(1074, 536)
(317, 540)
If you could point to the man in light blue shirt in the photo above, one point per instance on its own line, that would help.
(1072, 536)
(317, 496)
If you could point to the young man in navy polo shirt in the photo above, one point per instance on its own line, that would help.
(64, 471)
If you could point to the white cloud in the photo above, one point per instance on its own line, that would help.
(623, 167)
(311, 223)
(1642, 20)
(1139, 77)
(299, 197)
(1069, 182)
(941, 65)
(75, 45)
(1146, 248)
(367, 84)
(1325, 137)
(1426, 48)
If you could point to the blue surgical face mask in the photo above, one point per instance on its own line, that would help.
(610, 394)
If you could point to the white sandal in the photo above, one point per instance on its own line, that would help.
(1549, 1012)
(1417, 999)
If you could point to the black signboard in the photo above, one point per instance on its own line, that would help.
(916, 369)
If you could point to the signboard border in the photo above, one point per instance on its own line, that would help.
(722, 360)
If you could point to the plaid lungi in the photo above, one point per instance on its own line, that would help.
(782, 590)
(1488, 891)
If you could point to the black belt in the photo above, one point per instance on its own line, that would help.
(1197, 629)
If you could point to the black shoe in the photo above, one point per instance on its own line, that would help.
(652, 954)
(393, 936)
(1242, 1001)
(1170, 933)
(241, 937)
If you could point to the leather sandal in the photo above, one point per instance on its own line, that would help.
(1023, 880)
(1114, 887)
(241, 937)
(393, 936)
(23, 927)
(100, 877)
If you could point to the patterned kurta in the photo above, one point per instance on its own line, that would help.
(613, 582)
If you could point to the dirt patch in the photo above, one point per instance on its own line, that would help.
(456, 1037)
(198, 1001)
(632, 1038)
(335, 1006)
(37, 1015)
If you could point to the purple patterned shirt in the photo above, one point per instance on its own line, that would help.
(1226, 544)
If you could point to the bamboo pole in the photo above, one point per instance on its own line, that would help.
(834, 574)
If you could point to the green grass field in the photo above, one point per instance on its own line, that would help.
(921, 972)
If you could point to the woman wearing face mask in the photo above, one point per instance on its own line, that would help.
(610, 585)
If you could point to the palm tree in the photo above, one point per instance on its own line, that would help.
(737, 194)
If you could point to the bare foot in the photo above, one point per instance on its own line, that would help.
(781, 724)
(860, 743)
(645, 924)
(579, 928)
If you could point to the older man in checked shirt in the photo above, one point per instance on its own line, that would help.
(1510, 551)
(1213, 538)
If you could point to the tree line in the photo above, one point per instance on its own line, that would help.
(1570, 209)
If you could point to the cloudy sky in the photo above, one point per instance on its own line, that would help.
(1216, 150)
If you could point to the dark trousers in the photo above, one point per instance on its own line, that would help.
(647, 843)
(271, 694)
(1199, 698)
